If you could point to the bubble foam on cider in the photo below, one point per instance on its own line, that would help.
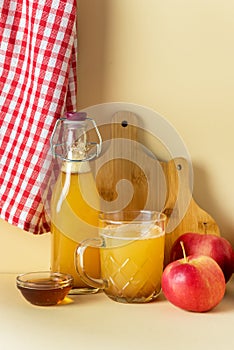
(131, 231)
(77, 160)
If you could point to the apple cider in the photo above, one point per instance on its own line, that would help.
(74, 217)
(133, 267)
(75, 201)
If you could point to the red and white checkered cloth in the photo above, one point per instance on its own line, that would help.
(37, 84)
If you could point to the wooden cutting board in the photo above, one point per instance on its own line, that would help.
(129, 176)
(184, 214)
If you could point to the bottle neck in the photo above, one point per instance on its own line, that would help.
(76, 161)
(76, 167)
(70, 141)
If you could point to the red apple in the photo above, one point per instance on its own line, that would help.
(216, 247)
(195, 283)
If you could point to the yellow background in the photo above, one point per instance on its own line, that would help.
(175, 56)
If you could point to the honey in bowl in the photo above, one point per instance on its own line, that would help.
(44, 288)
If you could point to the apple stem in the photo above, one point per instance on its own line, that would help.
(183, 249)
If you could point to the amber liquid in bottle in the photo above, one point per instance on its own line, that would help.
(74, 217)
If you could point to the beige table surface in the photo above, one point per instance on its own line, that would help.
(96, 322)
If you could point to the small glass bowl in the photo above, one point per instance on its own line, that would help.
(44, 288)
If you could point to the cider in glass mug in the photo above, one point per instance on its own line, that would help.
(131, 246)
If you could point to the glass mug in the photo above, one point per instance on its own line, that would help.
(131, 247)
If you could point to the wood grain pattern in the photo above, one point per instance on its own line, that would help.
(184, 214)
(127, 173)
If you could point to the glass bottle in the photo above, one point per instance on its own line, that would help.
(75, 200)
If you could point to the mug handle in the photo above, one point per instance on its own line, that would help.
(80, 265)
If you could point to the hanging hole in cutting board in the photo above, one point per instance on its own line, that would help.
(124, 123)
